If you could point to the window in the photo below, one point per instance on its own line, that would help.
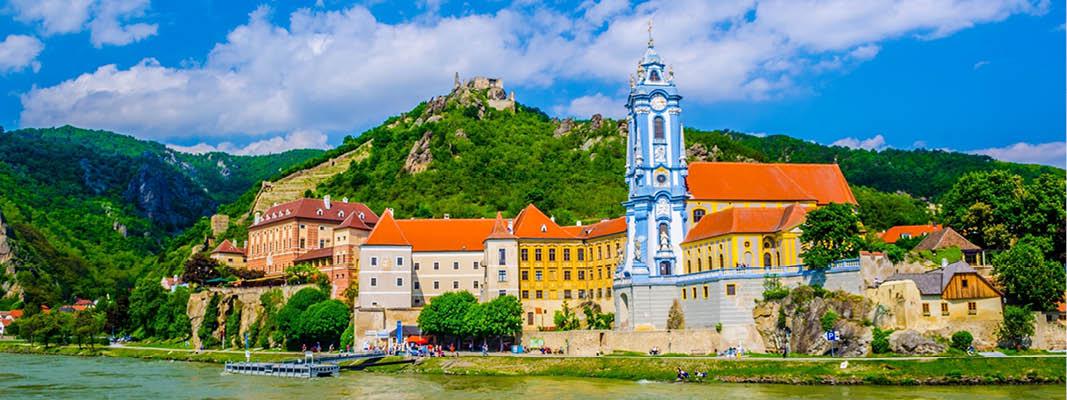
(529, 318)
(436, 265)
(455, 265)
(566, 254)
(418, 301)
(731, 289)
(722, 262)
(374, 281)
(684, 293)
(501, 293)
(566, 275)
(399, 282)
(963, 283)
(475, 265)
(694, 292)
(302, 243)
(374, 261)
(944, 309)
(475, 284)
(607, 292)
(581, 293)
(539, 294)
(416, 284)
(526, 294)
(400, 261)
(502, 275)
(705, 291)
(322, 243)
(581, 275)
(581, 254)
(599, 293)
(657, 127)
(551, 254)
(436, 284)
(972, 308)
(525, 275)
(537, 254)
(538, 275)
(416, 266)
(654, 76)
(567, 294)
(766, 260)
(926, 309)
(524, 255)
(599, 253)
(502, 254)
(455, 284)
(698, 214)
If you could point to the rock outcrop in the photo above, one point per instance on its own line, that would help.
(913, 343)
(564, 127)
(247, 299)
(420, 156)
(802, 312)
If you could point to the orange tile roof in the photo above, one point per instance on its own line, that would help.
(603, 228)
(500, 229)
(891, 235)
(227, 247)
(747, 220)
(308, 209)
(452, 234)
(386, 232)
(735, 181)
(531, 223)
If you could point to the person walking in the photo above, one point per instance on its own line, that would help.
(485, 350)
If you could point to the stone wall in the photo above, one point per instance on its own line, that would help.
(246, 298)
(593, 342)
(1049, 334)
(377, 319)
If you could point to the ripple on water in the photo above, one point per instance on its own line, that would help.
(10, 376)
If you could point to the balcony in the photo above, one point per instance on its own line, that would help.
(847, 265)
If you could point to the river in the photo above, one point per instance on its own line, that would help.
(61, 377)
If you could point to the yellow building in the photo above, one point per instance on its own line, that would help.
(572, 264)
(744, 237)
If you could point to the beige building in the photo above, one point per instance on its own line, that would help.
(229, 255)
(953, 297)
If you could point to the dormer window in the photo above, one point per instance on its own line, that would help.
(318, 212)
(341, 214)
(544, 228)
(361, 216)
(287, 212)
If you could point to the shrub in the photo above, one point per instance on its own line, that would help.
(962, 340)
(828, 320)
(880, 343)
(1017, 327)
(675, 317)
(773, 289)
(718, 327)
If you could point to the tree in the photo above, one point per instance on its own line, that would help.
(445, 315)
(595, 318)
(323, 323)
(1017, 327)
(288, 318)
(210, 322)
(1027, 277)
(87, 325)
(304, 273)
(145, 303)
(1044, 214)
(961, 340)
(829, 233)
(565, 319)
(201, 268)
(504, 316)
(880, 211)
(675, 316)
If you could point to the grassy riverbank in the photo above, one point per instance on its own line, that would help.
(943, 370)
(1007, 370)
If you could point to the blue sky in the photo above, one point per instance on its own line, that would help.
(263, 76)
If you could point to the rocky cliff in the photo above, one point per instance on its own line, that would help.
(245, 299)
(802, 312)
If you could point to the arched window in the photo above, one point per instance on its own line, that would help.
(722, 262)
(698, 214)
(657, 127)
(654, 76)
(664, 268)
(766, 260)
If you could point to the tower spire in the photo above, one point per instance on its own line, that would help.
(650, 32)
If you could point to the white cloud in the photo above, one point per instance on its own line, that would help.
(876, 143)
(108, 21)
(1051, 153)
(980, 64)
(585, 106)
(18, 52)
(295, 140)
(918, 144)
(342, 71)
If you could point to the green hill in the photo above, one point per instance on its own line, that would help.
(88, 211)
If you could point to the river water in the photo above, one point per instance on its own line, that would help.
(59, 377)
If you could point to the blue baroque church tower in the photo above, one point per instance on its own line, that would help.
(655, 210)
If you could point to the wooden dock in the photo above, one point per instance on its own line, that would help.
(309, 367)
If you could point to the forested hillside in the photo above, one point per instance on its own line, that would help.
(87, 212)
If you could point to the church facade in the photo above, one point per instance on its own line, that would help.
(706, 234)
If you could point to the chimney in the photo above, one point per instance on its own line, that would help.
(344, 199)
(326, 201)
(511, 227)
(944, 262)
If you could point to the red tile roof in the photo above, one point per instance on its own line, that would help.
(315, 254)
(386, 232)
(500, 229)
(603, 228)
(354, 222)
(891, 235)
(309, 208)
(734, 181)
(747, 220)
(531, 223)
(227, 247)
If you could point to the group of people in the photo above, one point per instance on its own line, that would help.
(733, 352)
(684, 376)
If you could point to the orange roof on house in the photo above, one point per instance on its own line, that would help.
(309, 209)
(386, 232)
(893, 234)
(449, 234)
(531, 223)
(736, 181)
(227, 247)
(500, 229)
(747, 220)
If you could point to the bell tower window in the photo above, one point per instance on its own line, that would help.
(657, 128)
(654, 76)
